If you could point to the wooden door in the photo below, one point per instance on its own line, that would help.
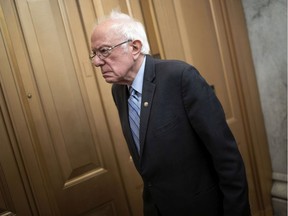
(72, 142)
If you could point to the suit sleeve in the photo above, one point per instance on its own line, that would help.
(207, 117)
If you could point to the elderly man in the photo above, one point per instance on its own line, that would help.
(174, 126)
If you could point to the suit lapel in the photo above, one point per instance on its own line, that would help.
(147, 99)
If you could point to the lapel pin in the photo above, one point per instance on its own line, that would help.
(146, 104)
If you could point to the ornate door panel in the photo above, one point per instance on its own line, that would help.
(76, 153)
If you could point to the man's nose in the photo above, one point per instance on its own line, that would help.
(97, 62)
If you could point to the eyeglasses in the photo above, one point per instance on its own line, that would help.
(104, 52)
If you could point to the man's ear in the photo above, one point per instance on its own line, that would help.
(137, 46)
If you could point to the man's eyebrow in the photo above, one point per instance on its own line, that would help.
(100, 47)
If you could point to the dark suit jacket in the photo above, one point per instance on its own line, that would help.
(189, 160)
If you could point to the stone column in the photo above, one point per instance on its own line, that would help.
(267, 28)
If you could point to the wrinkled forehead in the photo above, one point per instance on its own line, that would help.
(104, 33)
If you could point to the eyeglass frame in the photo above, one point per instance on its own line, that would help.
(108, 51)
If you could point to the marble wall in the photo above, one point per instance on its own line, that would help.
(267, 29)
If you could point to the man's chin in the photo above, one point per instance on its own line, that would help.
(110, 81)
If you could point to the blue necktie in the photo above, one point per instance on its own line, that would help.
(134, 115)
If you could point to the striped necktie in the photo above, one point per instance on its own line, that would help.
(134, 115)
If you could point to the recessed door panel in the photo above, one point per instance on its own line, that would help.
(77, 154)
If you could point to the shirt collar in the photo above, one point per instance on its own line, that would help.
(138, 81)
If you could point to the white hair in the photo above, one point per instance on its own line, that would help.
(129, 28)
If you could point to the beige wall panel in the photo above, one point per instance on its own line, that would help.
(152, 30)
(106, 6)
(133, 8)
(165, 15)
